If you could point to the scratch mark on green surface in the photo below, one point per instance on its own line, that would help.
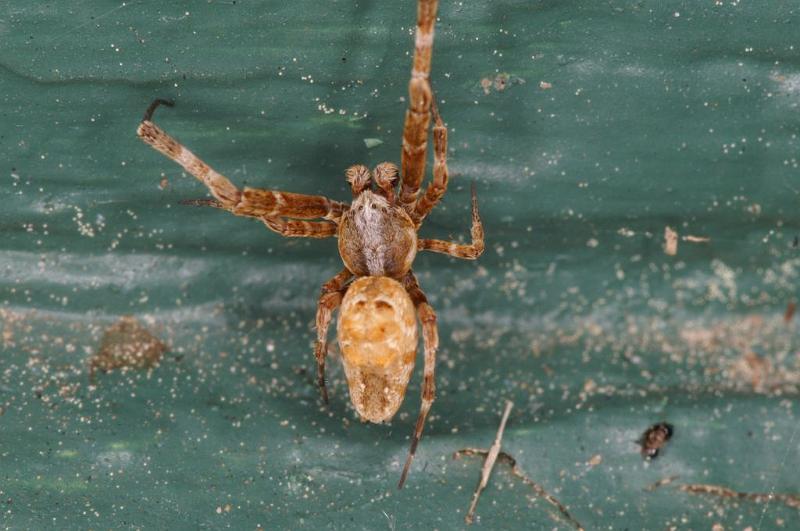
(95, 19)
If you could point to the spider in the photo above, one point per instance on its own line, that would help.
(377, 290)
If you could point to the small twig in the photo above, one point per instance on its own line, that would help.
(791, 500)
(695, 239)
(660, 483)
(539, 490)
(516, 471)
(491, 456)
(488, 464)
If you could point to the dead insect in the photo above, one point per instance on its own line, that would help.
(796, 242)
(377, 242)
(654, 439)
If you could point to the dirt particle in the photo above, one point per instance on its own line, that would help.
(670, 241)
(501, 82)
(695, 239)
(127, 345)
(753, 368)
(789, 313)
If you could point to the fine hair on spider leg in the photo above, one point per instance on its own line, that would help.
(377, 294)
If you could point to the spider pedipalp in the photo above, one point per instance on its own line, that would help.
(359, 178)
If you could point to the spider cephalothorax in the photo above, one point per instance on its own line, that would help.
(377, 236)
(378, 241)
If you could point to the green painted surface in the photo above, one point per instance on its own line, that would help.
(659, 113)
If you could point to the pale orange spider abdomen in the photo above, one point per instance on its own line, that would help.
(377, 334)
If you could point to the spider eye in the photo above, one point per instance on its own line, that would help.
(358, 176)
(386, 175)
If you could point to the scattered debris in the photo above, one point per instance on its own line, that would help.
(670, 241)
(754, 209)
(595, 460)
(544, 85)
(655, 438)
(661, 483)
(372, 142)
(796, 242)
(754, 368)
(789, 313)
(491, 456)
(163, 184)
(790, 500)
(500, 82)
(126, 344)
(695, 239)
(224, 508)
(9, 319)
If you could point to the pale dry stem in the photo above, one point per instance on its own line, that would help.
(491, 456)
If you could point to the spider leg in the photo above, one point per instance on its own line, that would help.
(301, 229)
(437, 188)
(255, 202)
(330, 299)
(289, 228)
(415, 130)
(430, 335)
(469, 252)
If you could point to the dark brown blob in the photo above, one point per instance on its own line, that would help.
(654, 439)
(126, 345)
(789, 313)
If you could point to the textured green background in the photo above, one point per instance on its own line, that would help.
(660, 113)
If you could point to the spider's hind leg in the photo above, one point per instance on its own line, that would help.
(331, 298)
(430, 336)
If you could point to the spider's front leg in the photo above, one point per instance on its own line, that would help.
(438, 186)
(430, 336)
(290, 228)
(457, 250)
(253, 202)
(415, 130)
(331, 297)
